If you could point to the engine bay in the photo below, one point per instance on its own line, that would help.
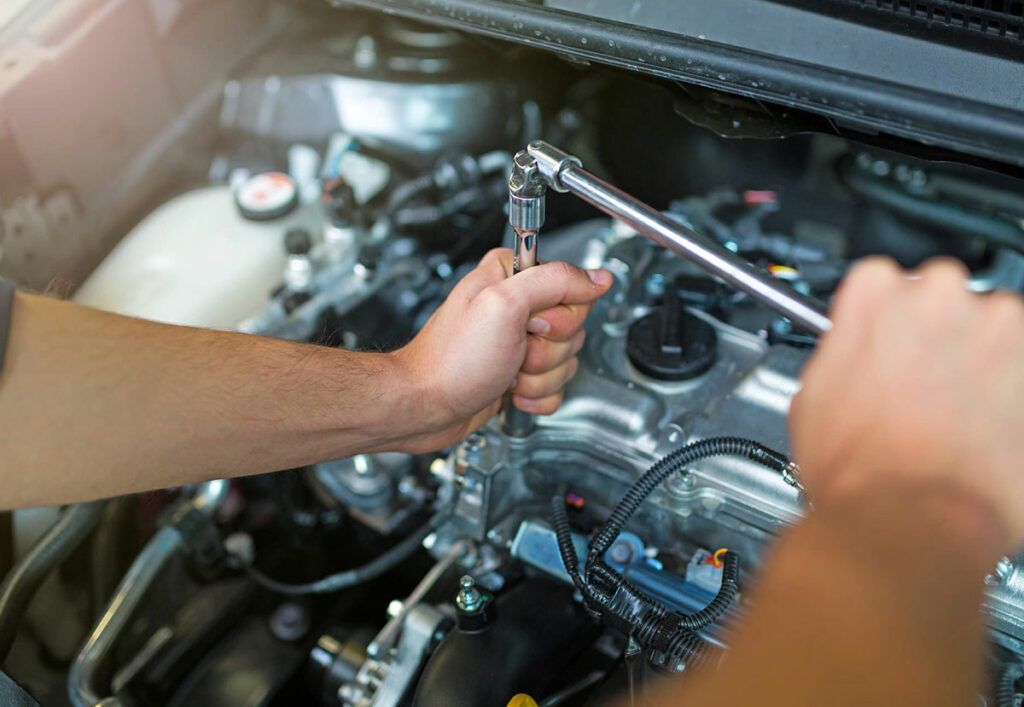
(360, 169)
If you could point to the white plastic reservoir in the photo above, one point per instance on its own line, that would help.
(196, 261)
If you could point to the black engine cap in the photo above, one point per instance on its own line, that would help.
(670, 343)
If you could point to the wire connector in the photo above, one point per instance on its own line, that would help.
(791, 475)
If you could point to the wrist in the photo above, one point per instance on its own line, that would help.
(925, 511)
(414, 411)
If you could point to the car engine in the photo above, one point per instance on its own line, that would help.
(359, 168)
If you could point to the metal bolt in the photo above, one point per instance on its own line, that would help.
(655, 285)
(365, 56)
(289, 622)
(621, 552)
(469, 598)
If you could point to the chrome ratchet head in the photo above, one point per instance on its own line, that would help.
(526, 199)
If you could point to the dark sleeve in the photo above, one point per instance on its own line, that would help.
(11, 694)
(6, 304)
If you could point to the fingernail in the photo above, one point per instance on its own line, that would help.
(525, 404)
(536, 325)
(600, 277)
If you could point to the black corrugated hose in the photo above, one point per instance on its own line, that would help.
(671, 463)
(20, 584)
(625, 606)
(1006, 695)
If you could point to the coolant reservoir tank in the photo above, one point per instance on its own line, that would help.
(195, 260)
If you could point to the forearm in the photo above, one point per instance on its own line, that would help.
(94, 404)
(874, 600)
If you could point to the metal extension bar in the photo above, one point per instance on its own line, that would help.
(564, 173)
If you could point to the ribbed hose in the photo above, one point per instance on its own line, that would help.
(49, 551)
(566, 548)
(350, 578)
(1006, 692)
(621, 603)
(667, 465)
(689, 649)
(726, 593)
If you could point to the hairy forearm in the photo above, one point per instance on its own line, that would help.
(872, 600)
(94, 404)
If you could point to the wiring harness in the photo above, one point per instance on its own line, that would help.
(619, 603)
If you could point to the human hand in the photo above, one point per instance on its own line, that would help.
(919, 381)
(498, 333)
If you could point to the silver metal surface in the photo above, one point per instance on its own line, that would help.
(526, 206)
(385, 640)
(389, 682)
(560, 171)
(469, 598)
(84, 689)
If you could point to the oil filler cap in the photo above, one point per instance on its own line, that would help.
(266, 196)
(670, 343)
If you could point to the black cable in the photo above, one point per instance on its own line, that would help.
(49, 551)
(358, 575)
(570, 691)
(671, 463)
(627, 607)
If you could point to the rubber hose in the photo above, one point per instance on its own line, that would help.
(1006, 692)
(49, 551)
(426, 215)
(934, 213)
(667, 465)
(358, 575)
(406, 191)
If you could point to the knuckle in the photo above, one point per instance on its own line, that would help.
(945, 275)
(537, 353)
(866, 277)
(528, 386)
(1004, 309)
(578, 340)
(496, 254)
(549, 405)
(496, 299)
(561, 270)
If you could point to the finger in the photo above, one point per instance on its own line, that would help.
(559, 323)
(543, 354)
(541, 385)
(551, 284)
(864, 291)
(544, 406)
(943, 300)
(494, 267)
(947, 271)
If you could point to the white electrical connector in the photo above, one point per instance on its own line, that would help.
(702, 572)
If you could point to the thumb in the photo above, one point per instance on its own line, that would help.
(550, 284)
